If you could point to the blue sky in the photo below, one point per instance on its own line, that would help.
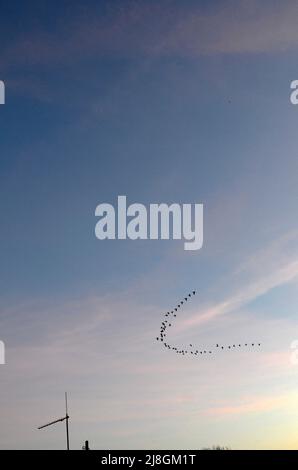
(163, 104)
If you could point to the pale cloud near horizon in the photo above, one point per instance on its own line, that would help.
(259, 404)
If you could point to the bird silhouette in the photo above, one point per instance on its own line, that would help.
(165, 324)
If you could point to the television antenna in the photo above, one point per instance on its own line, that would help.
(65, 418)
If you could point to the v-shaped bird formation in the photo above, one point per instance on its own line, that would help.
(169, 319)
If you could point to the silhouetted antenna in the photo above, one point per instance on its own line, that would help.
(65, 418)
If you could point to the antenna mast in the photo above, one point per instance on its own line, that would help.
(59, 420)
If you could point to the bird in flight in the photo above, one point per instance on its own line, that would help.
(165, 324)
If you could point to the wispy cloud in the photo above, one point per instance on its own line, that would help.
(143, 29)
(282, 276)
(264, 271)
(255, 405)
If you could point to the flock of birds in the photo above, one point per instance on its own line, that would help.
(195, 351)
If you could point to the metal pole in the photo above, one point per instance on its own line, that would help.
(66, 421)
(67, 433)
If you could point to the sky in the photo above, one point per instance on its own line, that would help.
(161, 101)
